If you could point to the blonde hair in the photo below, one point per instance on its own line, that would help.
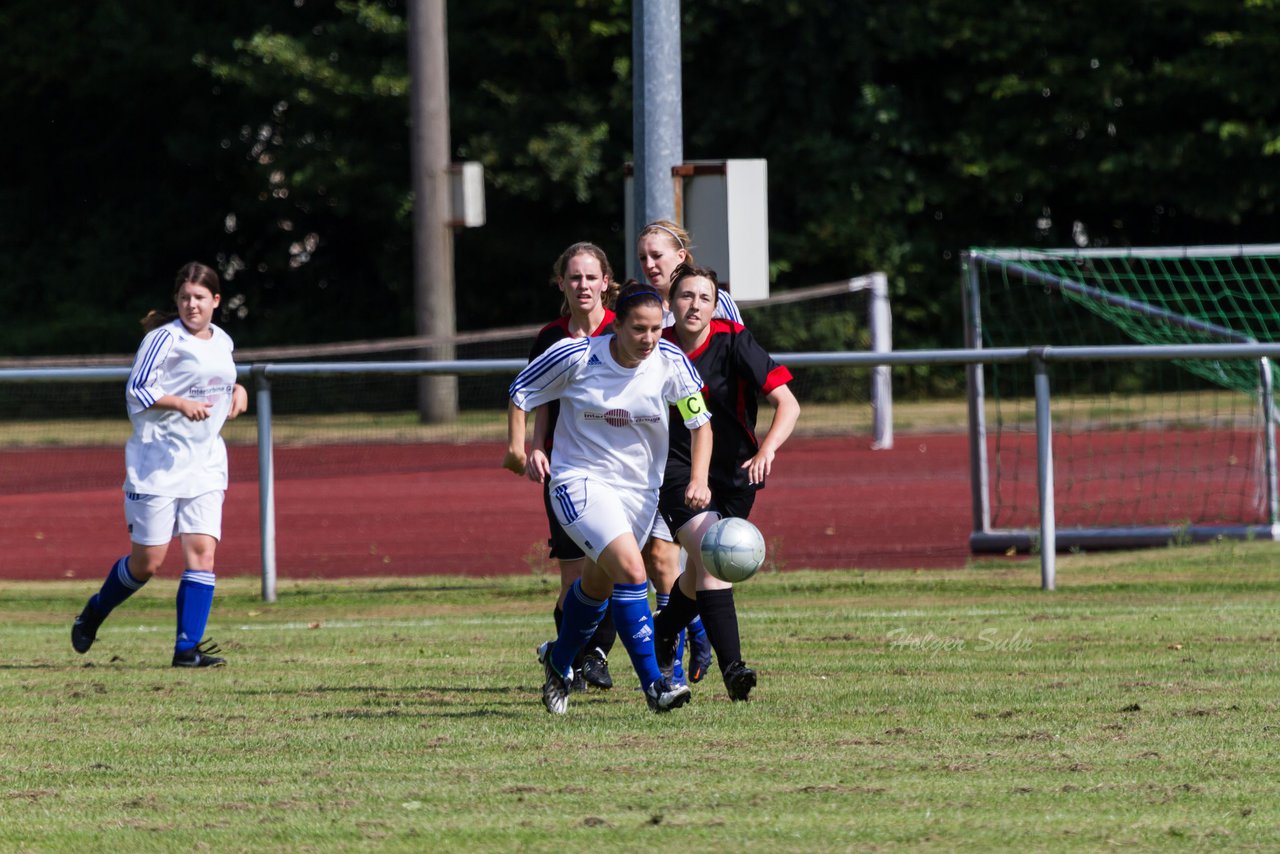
(671, 231)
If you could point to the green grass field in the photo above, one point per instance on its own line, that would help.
(1135, 708)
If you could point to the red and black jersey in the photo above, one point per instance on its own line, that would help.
(558, 330)
(735, 370)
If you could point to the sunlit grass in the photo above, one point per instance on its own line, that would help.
(965, 710)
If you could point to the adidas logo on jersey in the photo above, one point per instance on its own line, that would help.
(594, 360)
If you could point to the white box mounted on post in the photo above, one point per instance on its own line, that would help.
(723, 204)
(466, 183)
(725, 210)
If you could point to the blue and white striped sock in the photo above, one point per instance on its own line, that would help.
(581, 616)
(634, 621)
(195, 599)
(119, 586)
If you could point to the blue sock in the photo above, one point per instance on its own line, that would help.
(195, 598)
(119, 586)
(634, 620)
(695, 627)
(581, 616)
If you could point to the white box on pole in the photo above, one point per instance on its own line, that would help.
(723, 204)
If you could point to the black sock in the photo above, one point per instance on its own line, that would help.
(605, 634)
(720, 618)
(680, 609)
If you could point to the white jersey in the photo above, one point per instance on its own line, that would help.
(168, 453)
(613, 420)
(726, 309)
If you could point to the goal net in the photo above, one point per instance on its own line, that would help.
(1144, 452)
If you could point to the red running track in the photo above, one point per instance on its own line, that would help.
(366, 510)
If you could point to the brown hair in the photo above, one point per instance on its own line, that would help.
(561, 266)
(672, 232)
(193, 272)
(632, 296)
(688, 271)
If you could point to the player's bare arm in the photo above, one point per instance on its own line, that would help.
(193, 410)
(760, 466)
(515, 459)
(239, 401)
(698, 494)
(538, 467)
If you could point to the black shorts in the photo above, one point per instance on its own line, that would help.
(724, 500)
(561, 544)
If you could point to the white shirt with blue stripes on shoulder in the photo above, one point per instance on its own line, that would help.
(169, 454)
(613, 420)
(726, 309)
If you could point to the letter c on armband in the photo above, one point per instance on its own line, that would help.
(691, 406)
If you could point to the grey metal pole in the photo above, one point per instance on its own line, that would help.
(430, 156)
(881, 325)
(1044, 467)
(978, 474)
(657, 111)
(1269, 444)
(266, 484)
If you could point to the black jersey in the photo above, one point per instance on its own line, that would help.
(558, 330)
(735, 370)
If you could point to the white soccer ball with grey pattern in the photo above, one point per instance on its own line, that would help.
(733, 549)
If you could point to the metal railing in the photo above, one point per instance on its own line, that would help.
(1041, 358)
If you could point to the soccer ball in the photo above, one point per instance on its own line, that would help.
(733, 549)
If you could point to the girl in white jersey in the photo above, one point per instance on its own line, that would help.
(180, 392)
(607, 462)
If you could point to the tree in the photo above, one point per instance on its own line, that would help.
(897, 135)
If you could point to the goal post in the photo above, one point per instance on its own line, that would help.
(1144, 454)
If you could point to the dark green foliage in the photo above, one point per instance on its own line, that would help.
(272, 139)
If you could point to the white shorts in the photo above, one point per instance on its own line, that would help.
(154, 520)
(661, 530)
(594, 514)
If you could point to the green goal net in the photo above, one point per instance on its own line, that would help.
(1144, 452)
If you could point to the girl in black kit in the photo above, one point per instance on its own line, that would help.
(735, 370)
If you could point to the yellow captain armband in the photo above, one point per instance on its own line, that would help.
(692, 406)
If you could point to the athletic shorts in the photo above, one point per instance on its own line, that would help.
(562, 546)
(594, 514)
(676, 514)
(154, 520)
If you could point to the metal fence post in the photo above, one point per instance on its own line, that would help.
(266, 484)
(881, 325)
(1044, 475)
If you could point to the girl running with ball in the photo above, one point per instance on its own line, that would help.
(615, 394)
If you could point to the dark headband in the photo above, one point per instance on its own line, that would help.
(653, 294)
